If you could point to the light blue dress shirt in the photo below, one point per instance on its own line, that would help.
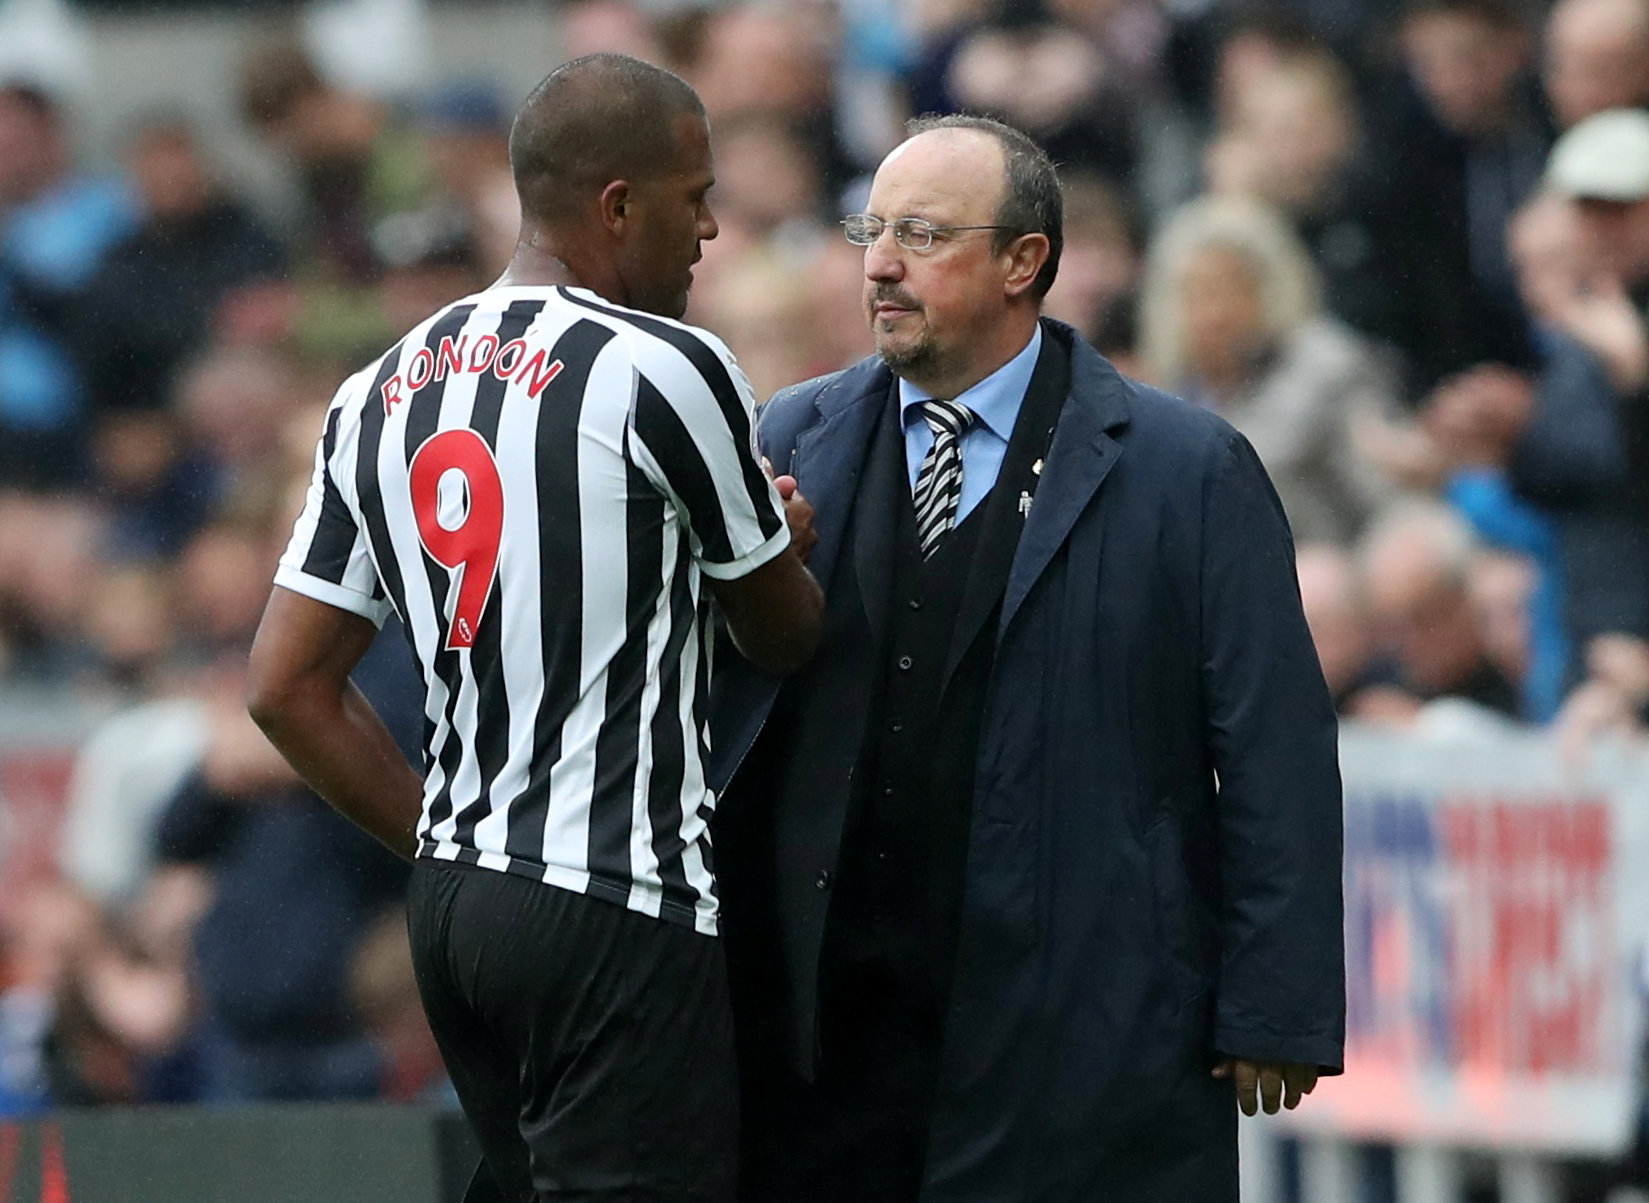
(995, 402)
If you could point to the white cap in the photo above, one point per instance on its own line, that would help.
(1605, 157)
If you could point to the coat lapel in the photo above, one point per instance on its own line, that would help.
(1082, 455)
(1027, 444)
(876, 525)
(830, 455)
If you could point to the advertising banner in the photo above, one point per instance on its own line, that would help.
(1497, 904)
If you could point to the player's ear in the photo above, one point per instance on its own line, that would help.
(616, 202)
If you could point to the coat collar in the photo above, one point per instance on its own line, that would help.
(830, 457)
(1081, 456)
(830, 454)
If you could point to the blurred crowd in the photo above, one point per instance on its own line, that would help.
(1404, 250)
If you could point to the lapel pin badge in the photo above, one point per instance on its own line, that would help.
(1036, 468)
(1024, 504)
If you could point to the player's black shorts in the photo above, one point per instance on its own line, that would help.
(591, 1046)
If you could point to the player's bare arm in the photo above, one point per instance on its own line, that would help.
(775, 613)
(298, 690)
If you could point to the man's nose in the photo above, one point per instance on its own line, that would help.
(884, 260)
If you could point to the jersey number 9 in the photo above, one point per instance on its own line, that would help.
(469, 547)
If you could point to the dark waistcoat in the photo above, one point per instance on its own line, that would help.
(836, 820)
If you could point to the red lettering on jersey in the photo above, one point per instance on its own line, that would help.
(469, 549)
(540, 379)
(421, 369)
(392, 394)
(451, 356)
(485, 348)
(516, 345)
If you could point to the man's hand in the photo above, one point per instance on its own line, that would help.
(1594, 308)
(798, 515)
(1476, 418)
(1267, 1083)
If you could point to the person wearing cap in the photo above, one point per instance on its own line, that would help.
(1603, 165)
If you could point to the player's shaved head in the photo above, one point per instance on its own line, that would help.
(596, 119)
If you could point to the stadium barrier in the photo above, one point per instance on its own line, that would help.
(359, 1153)
(1497, 902)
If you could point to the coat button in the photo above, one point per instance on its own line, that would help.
(896, 727)
(905, 663)
(823, 880)
(915, 603)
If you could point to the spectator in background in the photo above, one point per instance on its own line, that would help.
(124, 773)
(218, 598)
(293, 892)
(1602, 164)
(1289, 136)
(430, 258)
(763, 301)
(44, 935)
(465, 133)
(1100, 263)
(767, 181)
(1476, 421)
(49, 566)
(1505, 588)
(354, 167)
(1019, 62)
(121, 1018)
(233, 404)
(1231, 319)
(56, 227)
(1336, 610)
(611, 27)
(1613, 700)
(151, 305)
(841, 335)
(1597, 58)
(1456, 145)
(1570, 457)
(353, 164)
(384, 990)
(128, 626)
(774, 62)
(1416, 570)
(149, 309)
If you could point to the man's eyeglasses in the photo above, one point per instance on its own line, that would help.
(912, 233)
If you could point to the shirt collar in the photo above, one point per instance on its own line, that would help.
(996, 399)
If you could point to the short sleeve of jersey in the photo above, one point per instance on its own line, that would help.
(327, 558)
(692, 432)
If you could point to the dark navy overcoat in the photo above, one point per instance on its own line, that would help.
(1154, 864)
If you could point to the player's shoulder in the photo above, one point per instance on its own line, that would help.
(653, 340)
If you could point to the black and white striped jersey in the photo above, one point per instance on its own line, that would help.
(535, 480)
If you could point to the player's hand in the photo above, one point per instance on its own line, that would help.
(1267, 1083)
(798, 514)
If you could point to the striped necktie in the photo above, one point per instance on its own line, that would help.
(939, 483)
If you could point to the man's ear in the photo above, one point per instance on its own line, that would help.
(1026, 255)
(616, 200)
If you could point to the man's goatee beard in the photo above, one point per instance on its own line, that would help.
(917, 358)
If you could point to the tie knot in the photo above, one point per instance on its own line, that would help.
(947, 417)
